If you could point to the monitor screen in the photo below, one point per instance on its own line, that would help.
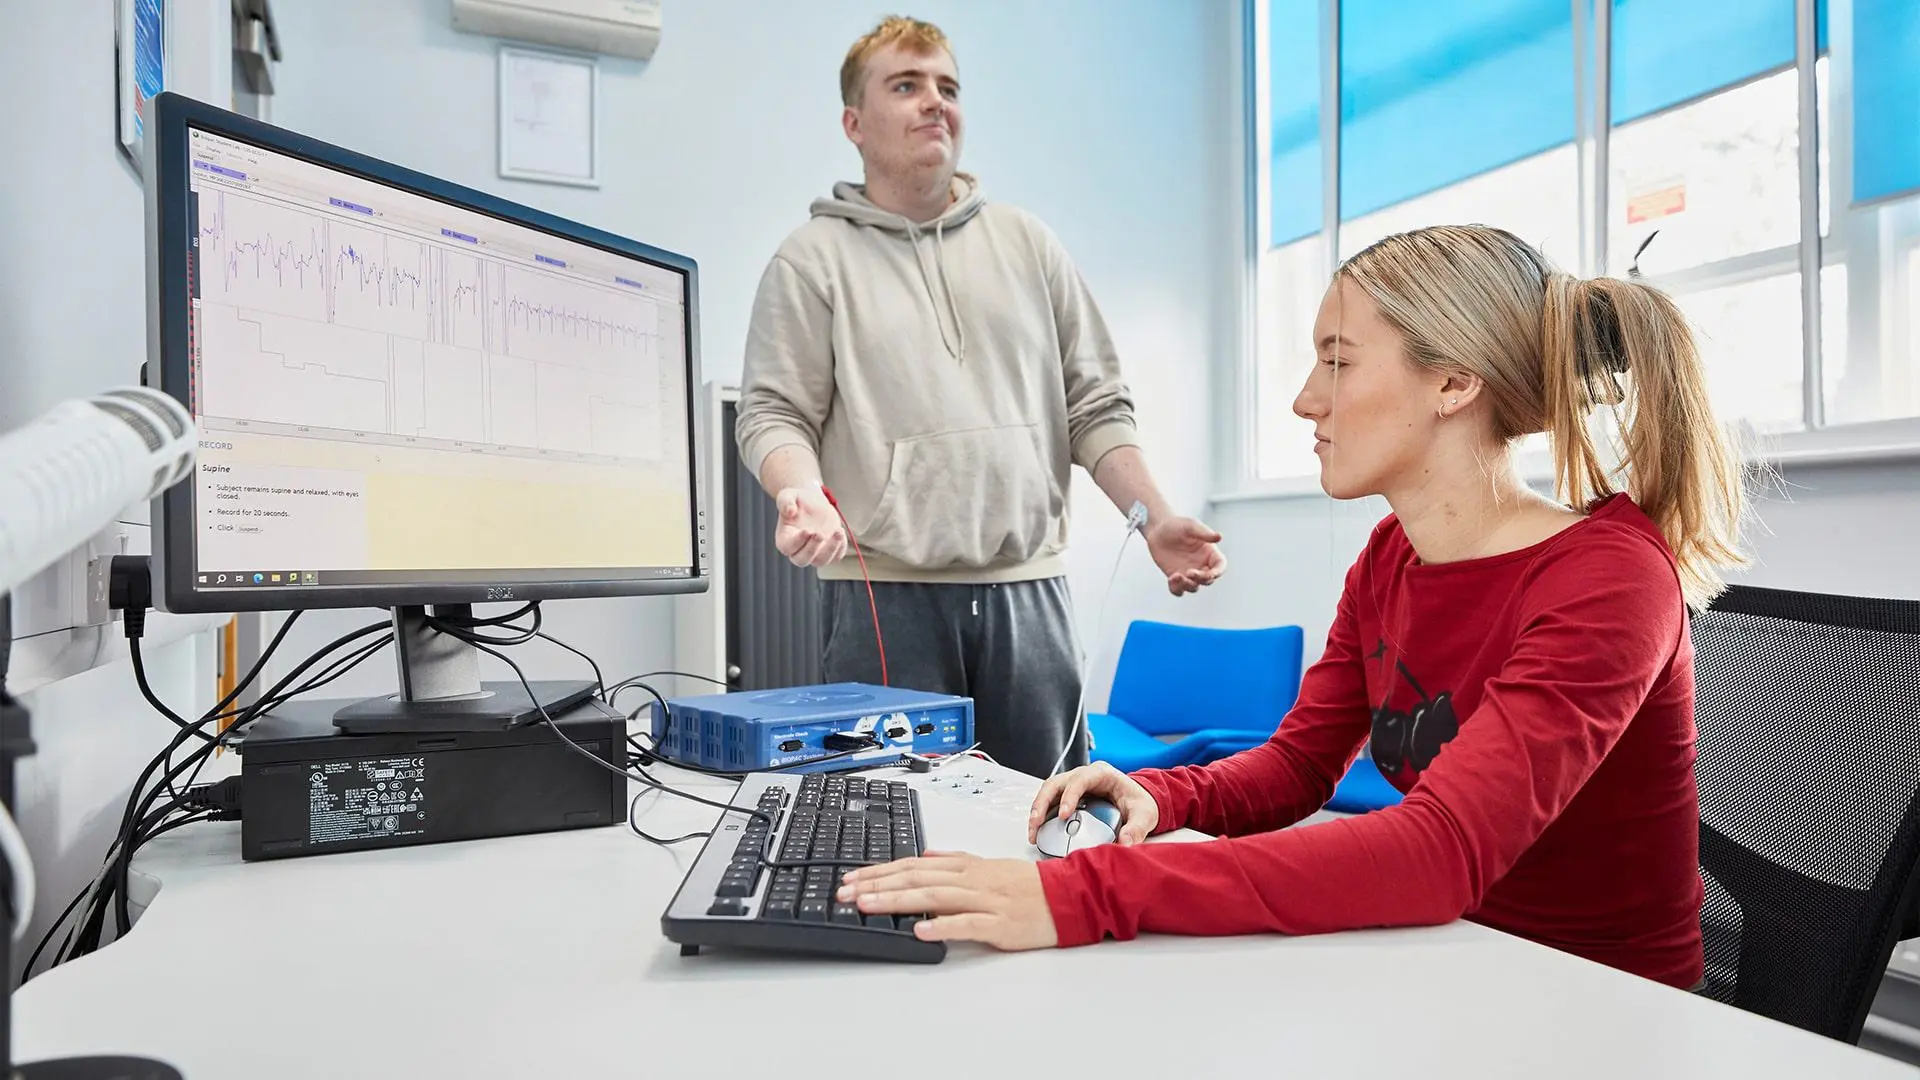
(404, 396)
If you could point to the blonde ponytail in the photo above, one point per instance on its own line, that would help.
(1623, 344)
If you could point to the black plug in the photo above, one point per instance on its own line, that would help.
(221, 797)
(130, 591)
(851, 740)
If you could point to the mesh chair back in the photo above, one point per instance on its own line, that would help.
(1808, 710)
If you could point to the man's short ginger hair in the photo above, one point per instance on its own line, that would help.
(914, 35)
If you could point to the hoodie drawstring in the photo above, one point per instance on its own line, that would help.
(958, 350)
(953, 298)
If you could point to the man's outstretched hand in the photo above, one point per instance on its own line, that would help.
(1187, 552)
(809, 532)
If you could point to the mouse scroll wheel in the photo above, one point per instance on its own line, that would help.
(1073, 826)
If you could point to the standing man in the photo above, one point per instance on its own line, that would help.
(938, 361)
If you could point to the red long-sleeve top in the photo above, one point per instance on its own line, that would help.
(1535, 707)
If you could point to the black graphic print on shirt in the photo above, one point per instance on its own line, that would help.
(1405, 743)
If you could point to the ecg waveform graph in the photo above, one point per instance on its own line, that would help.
(270, 257)
(313, 320)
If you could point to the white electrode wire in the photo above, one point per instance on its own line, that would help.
(1135, 522)
(20, 866)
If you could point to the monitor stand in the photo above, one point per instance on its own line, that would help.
(440, 687)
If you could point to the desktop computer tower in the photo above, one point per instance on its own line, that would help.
(308, 789)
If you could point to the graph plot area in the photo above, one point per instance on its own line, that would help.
(263, 255)
(278, 369)
(337, 325)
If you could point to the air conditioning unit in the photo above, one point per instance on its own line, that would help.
(608, 27)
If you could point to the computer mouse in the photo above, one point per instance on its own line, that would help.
(1096, 822)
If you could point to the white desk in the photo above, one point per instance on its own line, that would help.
(541, 956)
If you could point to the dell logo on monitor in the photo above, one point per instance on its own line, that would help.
(499, 592)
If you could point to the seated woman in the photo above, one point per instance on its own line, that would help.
(1521, 668)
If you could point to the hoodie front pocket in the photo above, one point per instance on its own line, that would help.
(968, 498)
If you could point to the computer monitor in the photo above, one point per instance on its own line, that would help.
(410, 393)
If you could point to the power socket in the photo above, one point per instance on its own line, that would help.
(96, 610)
(66, 595)
(61, 619)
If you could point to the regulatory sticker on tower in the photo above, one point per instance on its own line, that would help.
(370, 798)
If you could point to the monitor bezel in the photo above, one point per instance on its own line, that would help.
(166, 165)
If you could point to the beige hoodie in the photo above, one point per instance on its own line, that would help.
(948, 376)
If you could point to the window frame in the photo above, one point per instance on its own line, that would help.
(1856, 238)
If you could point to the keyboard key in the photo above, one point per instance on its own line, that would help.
(814, 910)
(906, 923)
(880, 922)
(725, 906)
(846, 915)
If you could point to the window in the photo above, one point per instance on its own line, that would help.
(1717, 178)
(1451, 112)
(1484, 111)
(1536, 198)
(1292, 281)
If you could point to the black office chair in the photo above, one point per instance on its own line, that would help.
(1808, 709)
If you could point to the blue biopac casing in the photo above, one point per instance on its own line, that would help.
(754, 730)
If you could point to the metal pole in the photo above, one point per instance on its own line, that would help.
(1805, 52)
(1330, 134)
(1602, 129)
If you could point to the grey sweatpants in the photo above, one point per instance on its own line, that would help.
(1011, 648)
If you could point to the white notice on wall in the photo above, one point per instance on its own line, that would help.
(548, 117)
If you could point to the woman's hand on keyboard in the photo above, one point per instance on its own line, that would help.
(998, 902)
(1063, 794)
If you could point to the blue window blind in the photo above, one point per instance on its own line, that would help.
(1434, 93)
(1669, 51)
(1886, 98)
(1295, 75)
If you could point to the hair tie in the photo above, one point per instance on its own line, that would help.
(1608, 342)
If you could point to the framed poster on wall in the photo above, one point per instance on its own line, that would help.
(141, 54)
(549, 117)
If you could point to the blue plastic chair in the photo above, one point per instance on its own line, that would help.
(1222, 691)
(1363, 789)
(1176, 680)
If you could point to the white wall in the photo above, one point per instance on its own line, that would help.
(73, 322)
(1108, 118)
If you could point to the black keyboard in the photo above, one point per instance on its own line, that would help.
(767, 880)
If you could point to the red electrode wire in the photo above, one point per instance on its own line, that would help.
(872, 604)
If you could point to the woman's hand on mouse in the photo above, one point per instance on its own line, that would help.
(998, 902)
(1063, 794)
